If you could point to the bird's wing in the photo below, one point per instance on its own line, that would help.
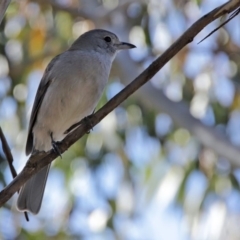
(42, 89)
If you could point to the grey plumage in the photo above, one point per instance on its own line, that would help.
(70, 89)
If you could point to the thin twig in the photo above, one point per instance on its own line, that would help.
(233, 15)
(9, 157)
(7, 153)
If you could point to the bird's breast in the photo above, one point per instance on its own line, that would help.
(73, 94)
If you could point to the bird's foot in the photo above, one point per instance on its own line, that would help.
(55, 146)
(86, 120)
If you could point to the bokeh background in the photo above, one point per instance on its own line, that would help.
(164, 164)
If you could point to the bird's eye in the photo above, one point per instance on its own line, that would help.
(107, 39)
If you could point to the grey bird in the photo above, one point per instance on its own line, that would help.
(69, 90)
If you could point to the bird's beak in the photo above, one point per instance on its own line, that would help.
(124, 45)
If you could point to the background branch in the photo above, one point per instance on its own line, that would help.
(3, 7)
(34, 165)
(179, 112)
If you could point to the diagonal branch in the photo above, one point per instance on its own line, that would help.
(34, 164)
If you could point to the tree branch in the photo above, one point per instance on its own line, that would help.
(34, 164)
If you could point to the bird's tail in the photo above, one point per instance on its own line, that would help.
(31, 194)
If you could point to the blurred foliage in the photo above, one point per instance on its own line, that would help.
(136, 175)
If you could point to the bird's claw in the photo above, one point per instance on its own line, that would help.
(55, 147)
(86, 120)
